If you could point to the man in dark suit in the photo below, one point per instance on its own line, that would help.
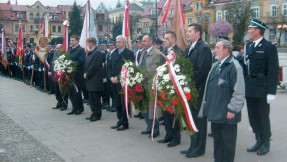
(50, 56)
(62, 99)
(261, 84)
(172, 129)
(200, 56)
(118, 59)
(78, 55)
(94, 78)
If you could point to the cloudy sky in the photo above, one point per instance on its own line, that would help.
(94, 3)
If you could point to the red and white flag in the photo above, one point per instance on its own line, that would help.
(20, 44)
(89, 28)
(4, 52)
(66, 35)
(126, 25)
(167, 7)
(178, 25)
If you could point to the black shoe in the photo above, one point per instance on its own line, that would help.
(113, 109)
(115, 126)
(63, 109)
(173, 143)
(145, 132)
(264, 149)
(105, 106)
(50, 92)
(70, 113)
(78, 112)
(121, 128)
(88, 118)
(185, 151)
(154, 135)
(210, 135)
(85, 101)
(193, 155)
(56, 107)
(94, 118)
(165, 140)
(138, 115)
(255, 147)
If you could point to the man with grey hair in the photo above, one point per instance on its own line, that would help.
(118, 59)
(223, 100)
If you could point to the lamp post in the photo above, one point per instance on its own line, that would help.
(156, 18)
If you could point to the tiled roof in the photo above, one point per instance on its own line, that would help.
(5, 6)
(21, 8)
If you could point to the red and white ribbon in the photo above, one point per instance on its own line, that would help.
(155, 98)
(125, 73)
(178, 89)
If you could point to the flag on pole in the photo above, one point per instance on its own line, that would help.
(4, 52)
(178, 25)
(167, 7)
(66, 35)
(126, 25)
(20, 44)
(41, 30)
(89, 28)
(46, 29)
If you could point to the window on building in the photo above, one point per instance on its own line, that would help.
(31, 16)
(100, 27)
(198, 6)
(218, 15)
(31, 40)
(56, 17)
(37, 16)
(59, 29)
(198, 19)
(24, 27)
(54, 29)
(31, 28)
(273, 10)
(19, 16)
(189, 20)
(226, 15)
(272, 34)
(206, 18)
(37, 27)
(284, 9)
(255, 12)
(16, 27)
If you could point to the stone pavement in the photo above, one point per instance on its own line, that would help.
(73, 138)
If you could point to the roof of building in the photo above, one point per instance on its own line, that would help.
(5, 6)
(20, 8)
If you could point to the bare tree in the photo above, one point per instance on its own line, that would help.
(277, 21)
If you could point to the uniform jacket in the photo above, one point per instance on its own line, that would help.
(264, 61)
(94, 70)
(153, 57)
(201, 58)
(78, 55)
(224, 92)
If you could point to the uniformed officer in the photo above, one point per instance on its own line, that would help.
(27, 65)
(105, 96)
(108, 67)
(262, 65)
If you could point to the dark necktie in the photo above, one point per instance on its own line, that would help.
(143, 63)
(139, 55)
(215, 71)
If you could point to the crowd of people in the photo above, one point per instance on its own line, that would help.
(222, 81)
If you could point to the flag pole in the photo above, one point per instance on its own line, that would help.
(44, 72)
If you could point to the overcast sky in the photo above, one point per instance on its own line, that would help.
(94, 3)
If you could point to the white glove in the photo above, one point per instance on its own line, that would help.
(270, 98)
(29, 67)
(39, 69)
(49, 74)
(43, 69)
(32, 66)
(11, 63)
(105, 80)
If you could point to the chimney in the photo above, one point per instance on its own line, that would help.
(8, 2)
